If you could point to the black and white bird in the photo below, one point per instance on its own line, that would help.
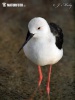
(43, 45)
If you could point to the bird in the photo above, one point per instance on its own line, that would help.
(43, 46)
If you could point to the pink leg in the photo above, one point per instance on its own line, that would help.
(39, 83)
(40, 75)
(48, 83)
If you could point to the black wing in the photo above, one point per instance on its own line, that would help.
(57, 31)
(28, 37)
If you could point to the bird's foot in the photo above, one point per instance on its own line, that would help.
(48, 97)
(32, 96)
(34, 93)
(40, 92)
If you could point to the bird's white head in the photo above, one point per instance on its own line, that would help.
(39, 27)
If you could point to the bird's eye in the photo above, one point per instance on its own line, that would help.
(39, 28)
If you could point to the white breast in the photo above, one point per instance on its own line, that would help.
(42, 52)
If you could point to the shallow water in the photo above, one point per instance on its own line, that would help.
(18, 75)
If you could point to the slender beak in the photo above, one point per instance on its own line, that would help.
(28, 37)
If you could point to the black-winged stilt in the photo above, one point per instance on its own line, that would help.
(43, 45)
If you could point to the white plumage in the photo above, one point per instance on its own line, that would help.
(41, 48)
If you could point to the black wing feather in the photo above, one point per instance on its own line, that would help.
(57, 31)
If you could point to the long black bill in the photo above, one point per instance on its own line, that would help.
(28, 37)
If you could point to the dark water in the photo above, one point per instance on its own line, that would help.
(18, 75)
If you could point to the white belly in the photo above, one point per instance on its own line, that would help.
(42, 53)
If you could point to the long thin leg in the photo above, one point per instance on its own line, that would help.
(48, 82)
(40, 76)
(40, 79)
(39, 83)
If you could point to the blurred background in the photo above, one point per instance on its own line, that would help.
(18, 75)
